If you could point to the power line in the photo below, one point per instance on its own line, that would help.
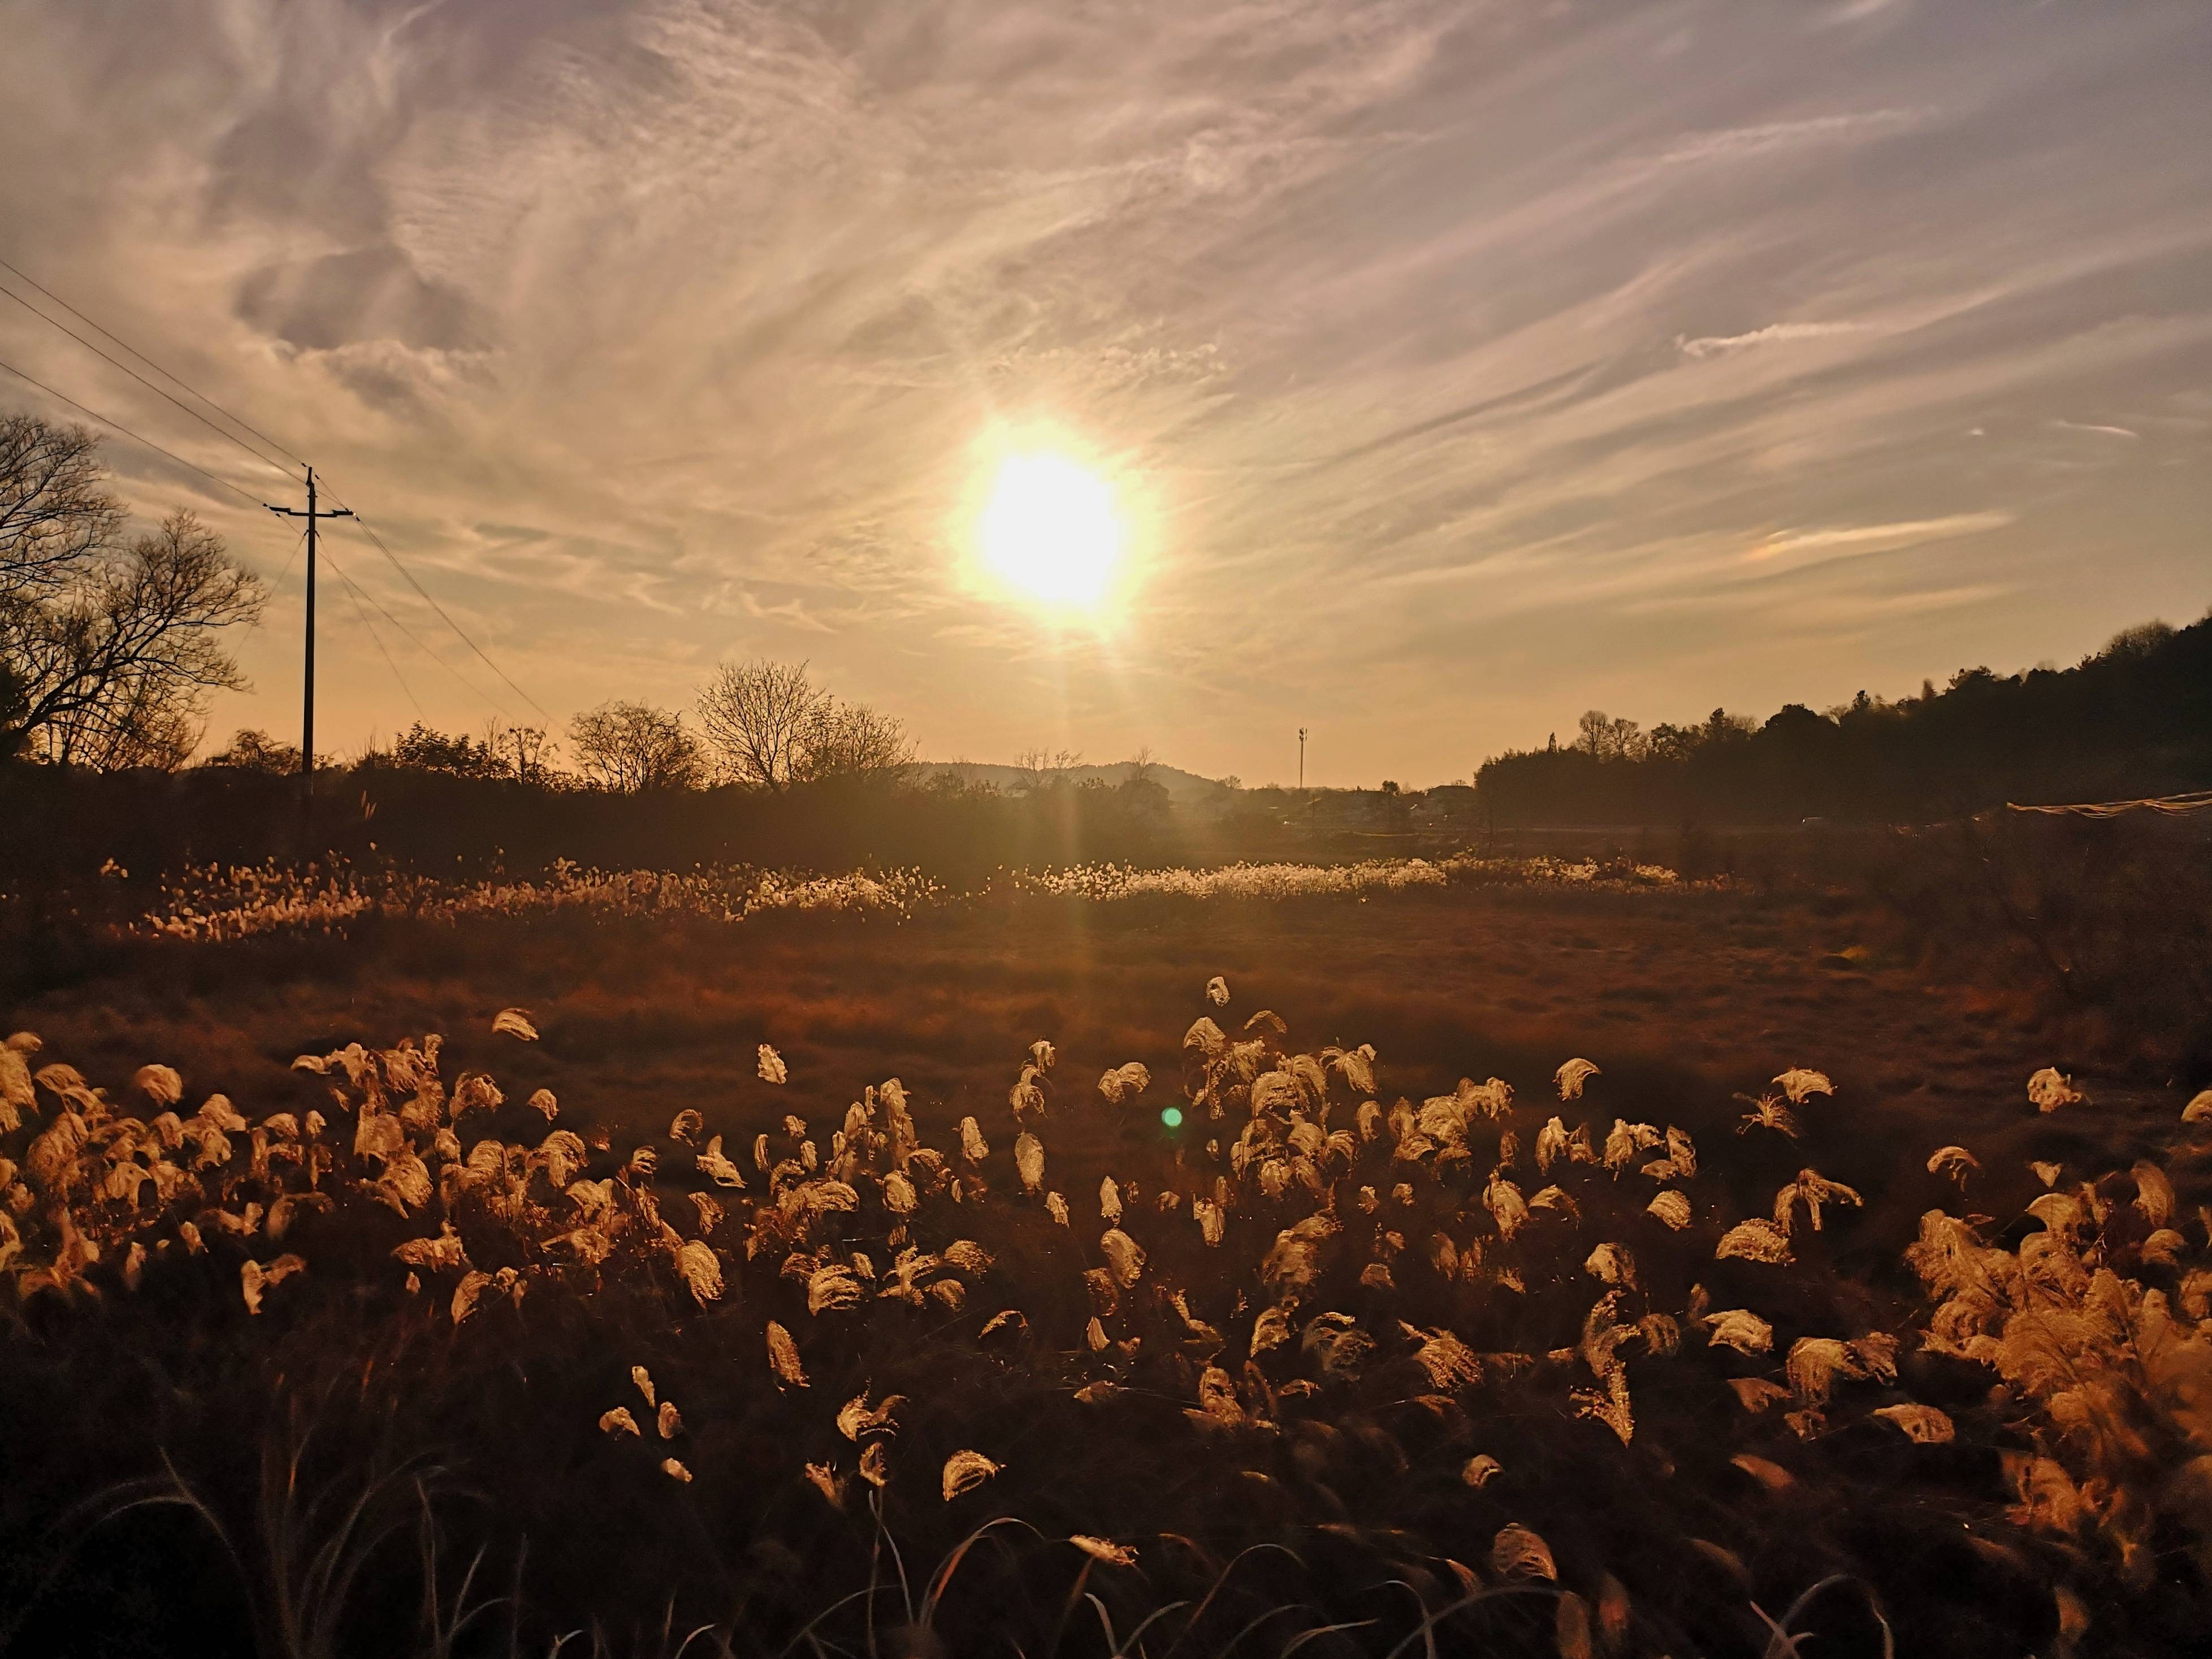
(232, 438)
(410, 635)
(148, 362)
(227, 437)
(366, 531)
(290, 561)
(128, 432)
(62, 396)
(353, 593)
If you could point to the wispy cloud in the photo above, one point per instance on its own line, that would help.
(1857, 11)
(1904, 533)
(792, 611)
(1424, 344)
(1768, 136)
(1716, 345)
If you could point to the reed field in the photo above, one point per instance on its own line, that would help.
(1414, 1257)
(1110, 831)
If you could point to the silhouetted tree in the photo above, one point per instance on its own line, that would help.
(257, 751)
(524, 753)
(107, 649)
(851, 740)
(2133, 719)
(56, 515)
(421, 748)
(115, 659)
(756, 716)
(13, 704)
(629, 746)
(770, 727)
(1041, 765)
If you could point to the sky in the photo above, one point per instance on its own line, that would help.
(1453, 368)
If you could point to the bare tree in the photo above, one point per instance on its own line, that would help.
(771, 726)
(851, 740)
(524, 752)
(629, 746)
(107, 650)
(55, 517)
(1608, 738)
(1041, 763)
(143, 724)
(756, 716)
(14, 704)
(113, 651)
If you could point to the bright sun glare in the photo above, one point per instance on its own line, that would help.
(1050, 530)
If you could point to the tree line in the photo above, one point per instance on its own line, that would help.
(754, 725)
(2133, 719)
(111, 646)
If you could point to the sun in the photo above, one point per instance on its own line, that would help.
(1050, 530)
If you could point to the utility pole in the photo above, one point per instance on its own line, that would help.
(1302, 760)
(307, 711)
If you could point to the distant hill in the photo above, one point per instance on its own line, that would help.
(1185, 789)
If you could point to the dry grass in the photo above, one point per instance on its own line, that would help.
(213, 905)
(1364, 1352)
(218, 903)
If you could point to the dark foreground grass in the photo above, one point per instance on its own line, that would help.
(362, 1478)
(349, 1471)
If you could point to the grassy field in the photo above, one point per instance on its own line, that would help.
(1314, 1377)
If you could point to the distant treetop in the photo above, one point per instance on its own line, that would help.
(2133, 719)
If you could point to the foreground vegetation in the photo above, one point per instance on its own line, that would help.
(1228, 1348)
(2104, 925)
(206, 905)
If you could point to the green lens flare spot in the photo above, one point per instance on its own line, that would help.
(1172, 1117)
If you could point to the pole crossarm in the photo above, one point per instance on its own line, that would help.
(313, 515)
